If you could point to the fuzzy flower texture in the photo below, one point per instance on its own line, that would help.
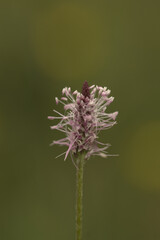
(83, 119)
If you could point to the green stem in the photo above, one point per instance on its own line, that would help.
(79, 195)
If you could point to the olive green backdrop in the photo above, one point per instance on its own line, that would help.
(45, 46)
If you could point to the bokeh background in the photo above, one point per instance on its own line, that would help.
(45, 46)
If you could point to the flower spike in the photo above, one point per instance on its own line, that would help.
(85, 116)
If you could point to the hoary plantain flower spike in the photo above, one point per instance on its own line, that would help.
(84, 117)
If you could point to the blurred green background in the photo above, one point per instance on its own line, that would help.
(45, 46)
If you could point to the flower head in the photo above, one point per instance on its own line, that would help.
(85, 116)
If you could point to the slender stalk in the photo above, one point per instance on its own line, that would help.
(79, 196)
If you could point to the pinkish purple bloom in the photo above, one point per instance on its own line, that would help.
(83, 119)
